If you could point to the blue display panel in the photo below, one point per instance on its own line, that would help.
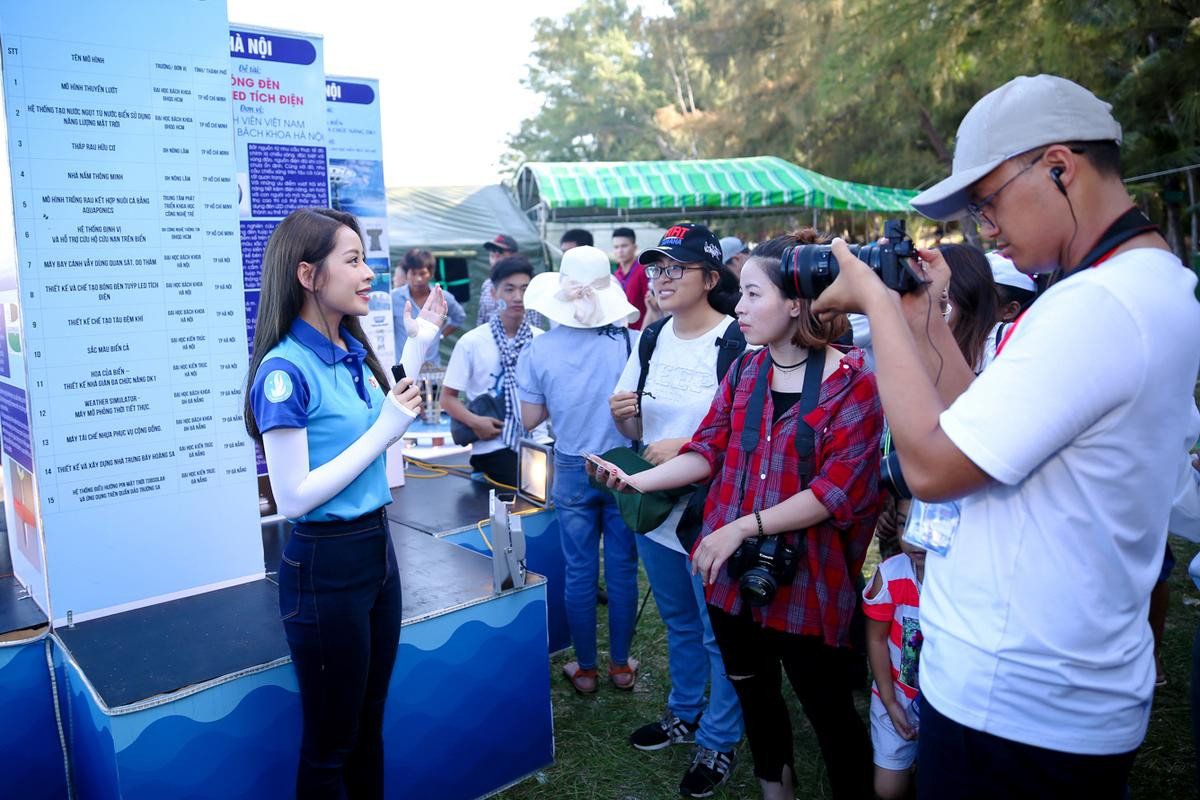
(356, 186)
(125, 347)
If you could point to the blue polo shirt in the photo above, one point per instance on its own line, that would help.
(306, 381)
(572, 372)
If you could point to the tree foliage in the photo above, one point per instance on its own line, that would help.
(864, 90)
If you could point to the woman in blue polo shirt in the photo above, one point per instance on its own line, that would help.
(316, 401)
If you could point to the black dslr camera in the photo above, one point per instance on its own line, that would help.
(762, 564)
(808, 269)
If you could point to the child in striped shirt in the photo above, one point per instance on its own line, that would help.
(894, 639)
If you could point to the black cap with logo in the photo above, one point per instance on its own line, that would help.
(686, 243)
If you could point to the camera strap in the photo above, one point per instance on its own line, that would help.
(1131, 224)
(805, 439)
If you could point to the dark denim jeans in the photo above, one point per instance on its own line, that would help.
(339, 598)
(955, 762)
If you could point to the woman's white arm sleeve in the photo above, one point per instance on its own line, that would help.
(413, 356)
(297, 489)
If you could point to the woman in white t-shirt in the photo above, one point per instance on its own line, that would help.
(699, 293)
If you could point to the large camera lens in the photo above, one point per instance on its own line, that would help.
(809, 269)
(757, 587)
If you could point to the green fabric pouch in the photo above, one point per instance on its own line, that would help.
(641, 512)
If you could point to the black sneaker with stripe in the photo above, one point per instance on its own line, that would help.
(667, 731)
(710, 769)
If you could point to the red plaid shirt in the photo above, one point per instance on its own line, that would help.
(847, 423)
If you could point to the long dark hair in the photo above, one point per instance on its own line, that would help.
(307, 234)
(725, 295)
(973, 293)
(810, 332)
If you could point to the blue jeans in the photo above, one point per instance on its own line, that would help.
(691, 648)
(583, 512)
(339, 598)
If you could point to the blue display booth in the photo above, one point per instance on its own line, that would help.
(454, 508)
(197, 698)
(152, 148)
(32, 761)
(543, 554)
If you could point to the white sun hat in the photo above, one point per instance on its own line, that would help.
(1005, 272)
(1025, 113)
(583, 293)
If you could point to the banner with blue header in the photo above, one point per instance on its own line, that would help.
(125, 348)
(356, 186)
(278, 91)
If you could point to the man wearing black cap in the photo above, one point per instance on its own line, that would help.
(500, 247)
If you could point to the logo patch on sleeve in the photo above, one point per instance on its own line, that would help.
(278, 386)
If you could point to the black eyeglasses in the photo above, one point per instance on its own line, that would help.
(975, 210)
(672, 271)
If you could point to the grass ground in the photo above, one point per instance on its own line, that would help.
(594, 760)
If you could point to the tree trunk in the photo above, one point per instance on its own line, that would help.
(674, 72)
(935, 139)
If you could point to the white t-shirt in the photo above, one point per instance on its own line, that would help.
(474, 368)
(681, 382)
(1035, 620)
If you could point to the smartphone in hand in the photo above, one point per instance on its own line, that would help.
(398, 372)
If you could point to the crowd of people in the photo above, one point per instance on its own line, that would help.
(1014, 434)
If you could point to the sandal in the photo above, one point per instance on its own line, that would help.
(585, 681)
(624, 677)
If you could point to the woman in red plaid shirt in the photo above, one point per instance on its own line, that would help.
(758, 494)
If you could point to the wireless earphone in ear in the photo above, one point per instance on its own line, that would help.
(1056, 176)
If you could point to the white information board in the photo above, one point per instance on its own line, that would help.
(125, 344)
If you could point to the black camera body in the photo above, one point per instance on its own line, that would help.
(762, 564)
(809, 269)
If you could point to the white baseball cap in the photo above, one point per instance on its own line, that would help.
(1005, 271)
(1025, 113)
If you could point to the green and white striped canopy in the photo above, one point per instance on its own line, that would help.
(761, 183)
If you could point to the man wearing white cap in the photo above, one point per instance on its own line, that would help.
(1037, 669)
